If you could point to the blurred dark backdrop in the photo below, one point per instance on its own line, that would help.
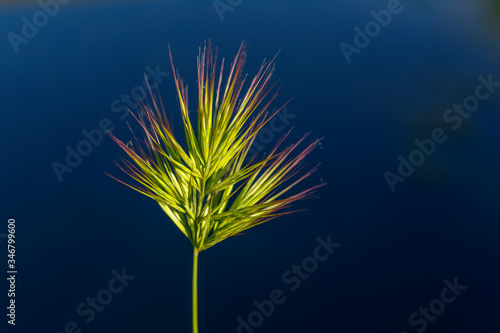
(70, 71)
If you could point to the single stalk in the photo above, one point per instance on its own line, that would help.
(195, 291)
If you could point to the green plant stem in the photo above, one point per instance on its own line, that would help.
(195, 291)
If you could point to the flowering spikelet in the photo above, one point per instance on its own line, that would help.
(209, 190)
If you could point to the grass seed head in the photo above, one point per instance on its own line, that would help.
(207, 189)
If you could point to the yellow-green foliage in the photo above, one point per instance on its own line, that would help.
(208, 190)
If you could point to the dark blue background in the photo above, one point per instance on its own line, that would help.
(397, 248)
